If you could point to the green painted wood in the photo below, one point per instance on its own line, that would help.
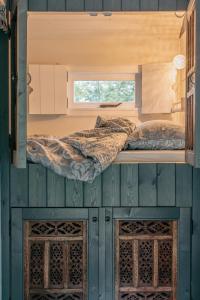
(74, 193)
(21, 85)
(102, 254)
(181, 4)
(19, 187)
(183, 185)
(149, 5)
(112, 5)
(129, 185)
(130, 5)
(93, 247)
(110, 254)
(55, 213)
(184, 254)
(111, 186)
(196, 235)
(38, 5)
(4, 164)
(196, 134)
(166, 184)
(167, 5)
(56, 5)
(37, 186)
(75, 5)
(17, 255)
(93, 193)
(148, 213)
(93, 5)
(55, 190)
(147, 185)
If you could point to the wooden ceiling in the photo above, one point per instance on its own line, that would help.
(123, 38)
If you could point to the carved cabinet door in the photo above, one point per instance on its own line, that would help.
(54, 254)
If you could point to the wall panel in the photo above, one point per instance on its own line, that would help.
(126, 185)
(107, 5)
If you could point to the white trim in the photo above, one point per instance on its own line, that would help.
(93, 108)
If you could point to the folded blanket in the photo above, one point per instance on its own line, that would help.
(82, 155)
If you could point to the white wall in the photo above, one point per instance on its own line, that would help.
(101, 44)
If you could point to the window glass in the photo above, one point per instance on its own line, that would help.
(104, 91)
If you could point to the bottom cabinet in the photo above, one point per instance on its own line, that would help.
(100, 254)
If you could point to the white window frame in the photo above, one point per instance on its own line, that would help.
(94, 107)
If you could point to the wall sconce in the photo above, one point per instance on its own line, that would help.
(179, 62)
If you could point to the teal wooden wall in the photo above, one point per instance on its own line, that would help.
(137, 185)
(106, 5)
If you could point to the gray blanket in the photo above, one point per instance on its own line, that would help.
(82, 155)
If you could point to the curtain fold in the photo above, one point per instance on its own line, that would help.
(3, 19)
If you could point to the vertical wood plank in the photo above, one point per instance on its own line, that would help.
(93, 5)
(102, 254)
(130, 5)
(75, 5)
(19, 187)
(129, 185)
(147, 185)
(38, 5)
(4, 165)
(184, 254)
(167, 5)
(111, 186)
(37, 186)
(93, 193)
(183, 186)
(19, 94)
(110, 254)
(195, 257)
(55, 190)
(166, 184)
(112, 5)
(93, 247)
(17, 255)
(56, 5)
(74, 193)
(181, 4)
(149, 5)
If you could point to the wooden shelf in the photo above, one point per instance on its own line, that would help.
(152, 156)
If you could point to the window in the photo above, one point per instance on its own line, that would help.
(101, 91)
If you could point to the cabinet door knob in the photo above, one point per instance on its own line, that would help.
(107, 219)
(94, 219)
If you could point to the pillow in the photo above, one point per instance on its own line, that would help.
(118, 124)
(157, 135)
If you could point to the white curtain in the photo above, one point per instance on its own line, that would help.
(3, 19)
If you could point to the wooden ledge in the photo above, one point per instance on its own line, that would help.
(151, 156)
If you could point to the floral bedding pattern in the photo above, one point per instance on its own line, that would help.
(82, 155)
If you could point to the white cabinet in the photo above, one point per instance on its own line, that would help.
(49, 84)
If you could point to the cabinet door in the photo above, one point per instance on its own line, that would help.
(193, 85)
(152, 247)
(47, 89)
(34, 96)
(60, 81)
(18, 83)
(60, 257)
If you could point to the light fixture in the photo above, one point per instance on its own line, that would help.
(179, 61)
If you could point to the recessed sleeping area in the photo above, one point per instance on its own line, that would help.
(105, 88)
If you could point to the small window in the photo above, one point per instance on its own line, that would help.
(101, 91)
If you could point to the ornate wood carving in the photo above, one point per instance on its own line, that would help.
(146, 260)
(55, 260)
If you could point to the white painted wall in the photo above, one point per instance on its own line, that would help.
(101, 44)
